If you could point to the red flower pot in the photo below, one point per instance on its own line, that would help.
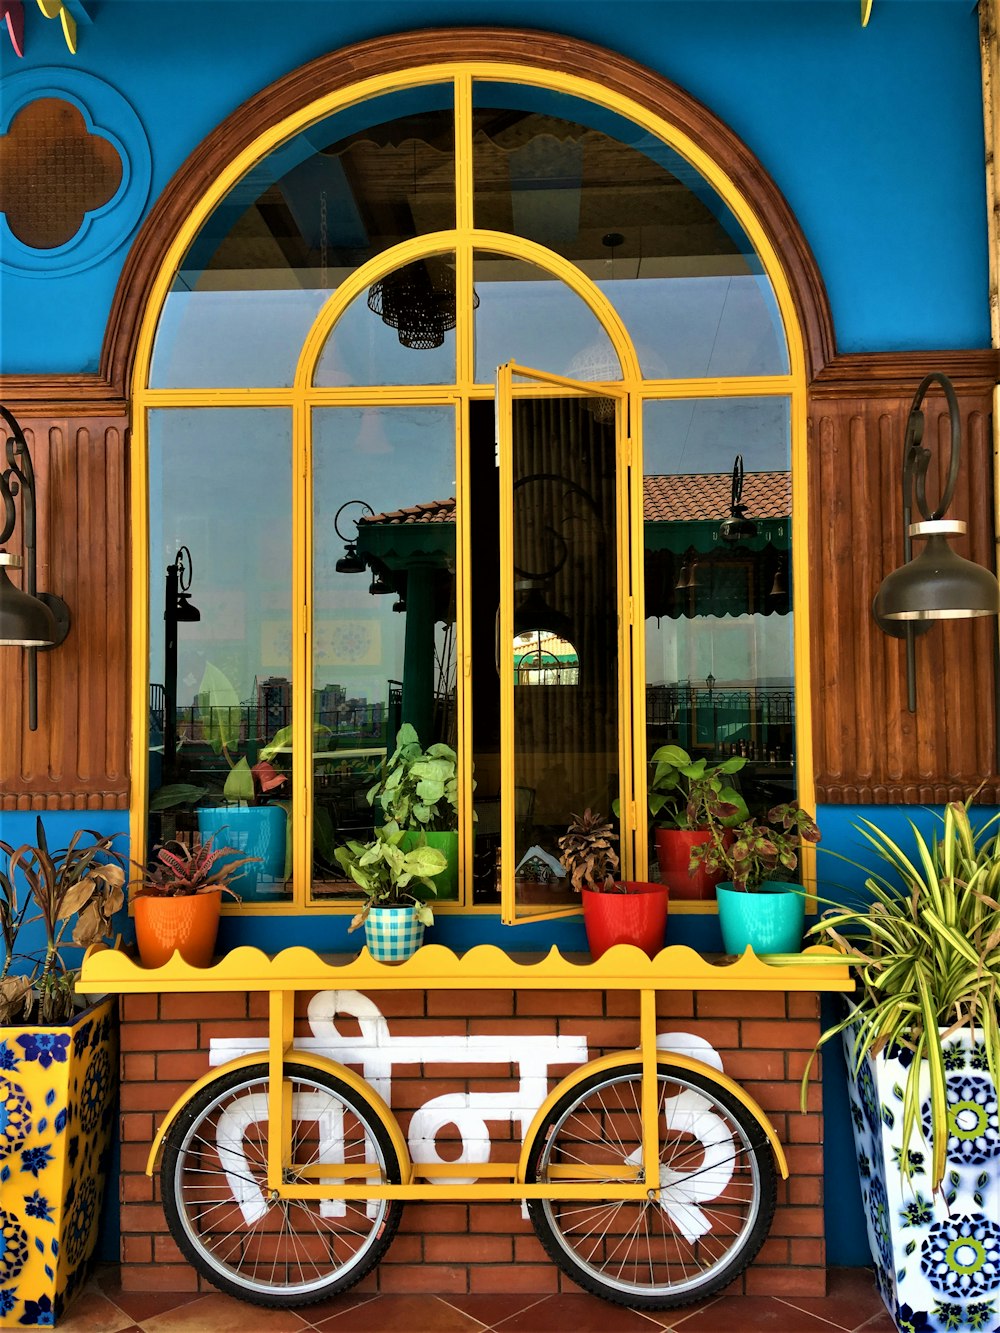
(638, 916)
(673, 853)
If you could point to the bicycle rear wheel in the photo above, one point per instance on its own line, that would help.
(215, 1196)
(715, 1194)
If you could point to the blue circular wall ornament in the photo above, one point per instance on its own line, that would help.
(108, 115)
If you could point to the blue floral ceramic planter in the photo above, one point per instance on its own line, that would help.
(57, 1089)
(937, 1258)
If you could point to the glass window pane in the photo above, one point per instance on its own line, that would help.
(401, 331)
(719, 627)
(566, 619)
(529, 316)
(286, 235)
(383, 610)
(638, 219)
(220, 636)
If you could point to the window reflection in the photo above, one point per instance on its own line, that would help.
(383, 632)
(220, 636)
(718, 590)
(638, 219)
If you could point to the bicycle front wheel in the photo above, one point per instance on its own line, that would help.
(279, 1252)
(711, 1207)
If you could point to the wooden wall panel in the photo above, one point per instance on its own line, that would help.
(868, 747)
(77, 759)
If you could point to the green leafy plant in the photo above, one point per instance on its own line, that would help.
(180, 871)
(683, 790)
(587, 854)
(84, 880)
(418, 789)
(925, 948)
(384, 872)
(759, 850)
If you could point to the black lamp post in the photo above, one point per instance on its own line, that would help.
(28, 619)
(937, 584)
(177, 609)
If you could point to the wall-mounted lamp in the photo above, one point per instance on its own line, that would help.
(350, 562)
(28, 619)
(938, 584)
(737, 527)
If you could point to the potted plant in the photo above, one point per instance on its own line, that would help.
(179, 898)
(393, 916)
(922, 1039)
(614, 911)
(418, 791)
(760, 902)
(58, 1070)
(681, 790)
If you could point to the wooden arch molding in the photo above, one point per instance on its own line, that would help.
(385, 55)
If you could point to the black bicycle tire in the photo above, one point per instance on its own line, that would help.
(736, 1263)
(194, 1113)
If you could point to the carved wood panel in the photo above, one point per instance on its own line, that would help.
(78, 757)
(868, 748)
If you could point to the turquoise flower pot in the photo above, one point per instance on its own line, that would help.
(771, 920)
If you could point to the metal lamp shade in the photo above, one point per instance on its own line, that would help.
(25, 621)
(938, 585)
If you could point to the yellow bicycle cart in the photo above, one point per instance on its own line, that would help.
(650, 1178)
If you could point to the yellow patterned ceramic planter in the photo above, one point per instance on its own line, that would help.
(56, 1101)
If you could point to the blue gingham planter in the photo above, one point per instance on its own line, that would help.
(393, 933)
(937, 1257)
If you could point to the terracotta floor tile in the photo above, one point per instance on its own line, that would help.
(753, 1314)
(581, 1313)
(848, 1303)
(491, 1308)
(223, 1314)
(882, 1323)
(140, 1305)
(400, 1314)
(93, 1312)
(333, 1305)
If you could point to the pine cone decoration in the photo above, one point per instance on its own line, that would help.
(587, 854)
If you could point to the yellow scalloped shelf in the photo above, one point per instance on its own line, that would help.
(483, 968)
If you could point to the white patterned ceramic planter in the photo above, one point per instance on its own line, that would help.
(937, 1258)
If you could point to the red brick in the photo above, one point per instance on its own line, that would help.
(773, 1251)
(135, 1008)
(804, 1159)
(224, 1004)
(152, 1096)
(137, 1126)
(133, 1157)
(791, 1035)
(187, 1065)
(777, 1095)
(240, 1028)
(159, 1277)
(803, 1005)
(529, 1250)
(793, 1221)
(136, 1067)
(468, 1249)
(414, 1278)
(136, 1249)
(804, 1129)
(506, 1027)
(559, 1003)
(398, 1003)
(434, 1218)
(165, 1251)
(542, 1279)
(159, 1036)
(743, 1004)
(456, 1003)
(785, 1281)
(807, 1191)
(498, 1218)
(141, 1217)
(405, 1249)
(807, 1253)
(609, 1034)
(135, 1189)
(747, 1065)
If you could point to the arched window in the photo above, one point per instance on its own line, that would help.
(349, 526)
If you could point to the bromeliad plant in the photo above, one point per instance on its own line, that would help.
(587, 855)
(925, 949)
(759, 850)
(385, 873)
(84, 880)
(180, 871)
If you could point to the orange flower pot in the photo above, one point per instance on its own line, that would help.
(187, 924)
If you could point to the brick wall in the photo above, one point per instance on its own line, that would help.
(453, 1247)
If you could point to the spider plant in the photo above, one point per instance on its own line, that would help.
(925, 950)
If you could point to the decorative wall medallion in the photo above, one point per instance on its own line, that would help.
(95, 192)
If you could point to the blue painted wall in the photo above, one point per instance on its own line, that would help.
(874, 135)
